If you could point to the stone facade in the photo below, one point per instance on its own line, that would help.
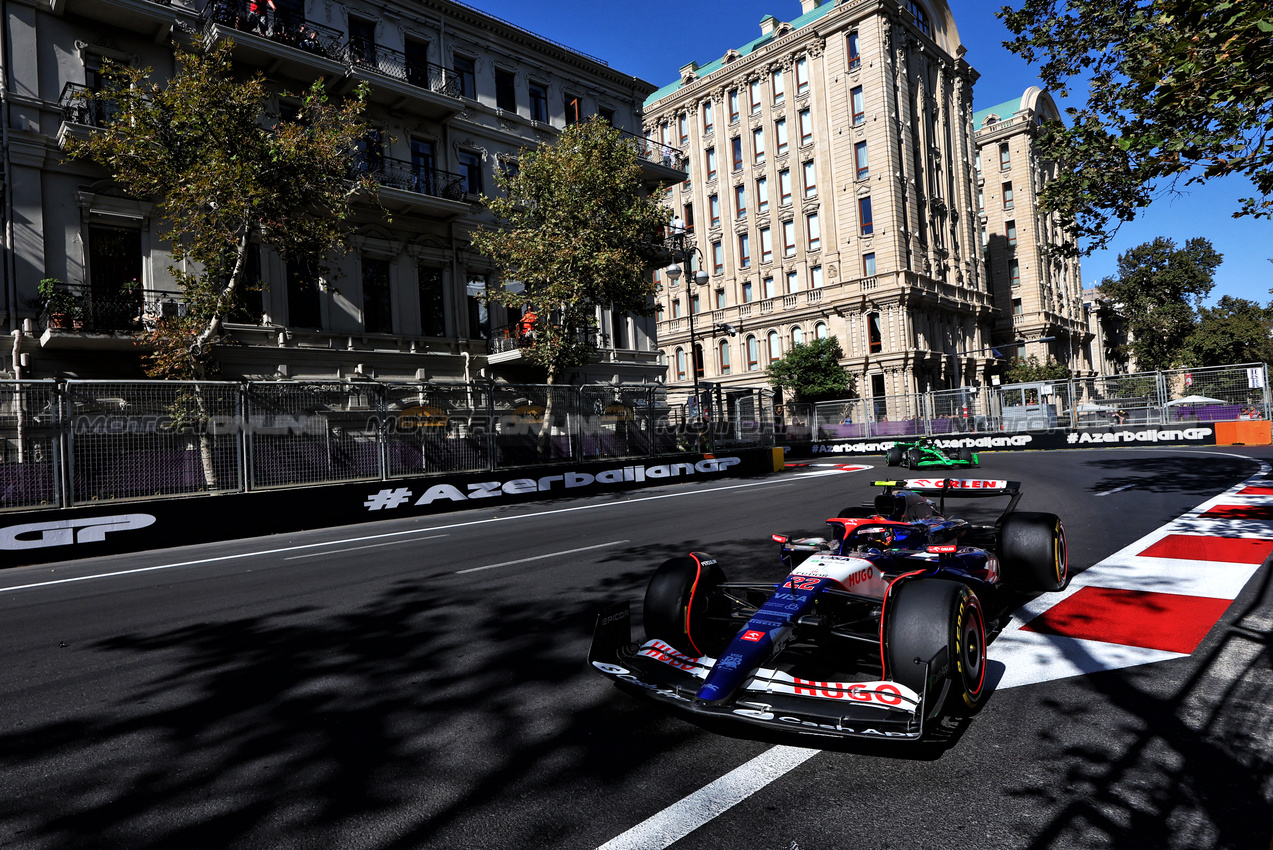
(455, 94)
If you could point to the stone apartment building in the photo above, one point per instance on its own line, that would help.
(833, 189)
(454, 95)
(1040, 294)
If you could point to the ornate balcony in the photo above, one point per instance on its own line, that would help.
(401, 82)
(88, 317)
(285, 43)
(407, 185)
(661, 164)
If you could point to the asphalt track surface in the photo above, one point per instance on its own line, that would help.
(422, 684)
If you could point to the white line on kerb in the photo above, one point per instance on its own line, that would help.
(540, 557)
(681, 818)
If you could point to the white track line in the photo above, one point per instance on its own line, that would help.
(540, 557)
(356, 548)
(680, 819)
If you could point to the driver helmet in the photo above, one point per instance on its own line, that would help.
(875, 537)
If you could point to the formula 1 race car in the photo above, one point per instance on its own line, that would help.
(924, 453)
(877, 632)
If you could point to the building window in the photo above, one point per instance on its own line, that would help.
(762, 194)
(775, 346)
(797, 336)
(683, 126)
(711, 163)
(758, 143)
(1011, 228)
(754, 92)
(820, 330)
(377, 313)
(766, 245)
(863, 164)
(981, 199)
(362, 41)
(505, 90)
(855, 52)
(802, 76)
(708, 124)
(753, 354)
(479, 308)
(1005, 157)
(1014, 271)
(688, 216)
(1016, 307)
(432, 301)
(921, 17)
(864, 216)
(676, 308)
(115, 276)
(779, 86)
(813, 231)
(744, 251)
(606, 115)
(723, 356)
(815, 277)
(784, 187)
(859, 105)
(718, 258)
(769, 287)
(793, 282)
(574, 108)
(713, 209)
(736, 152)
(810, 179)
(415, 56)
(695, 304)
(1007, 195)
(539, 102)
(806, 127)
(680, 364)
(720, 298)
(748, 294)
(780, 133)
(740, 202)
(304, 309)
(868, 265)
(788, 238)
(874, 335)
(466, 72)
(733, 105)
(471, 172)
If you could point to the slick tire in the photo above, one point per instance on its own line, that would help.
(679, 599)
(913, 457)
(940, 623)
(1032, 551)
(893, 457)
(965, 455)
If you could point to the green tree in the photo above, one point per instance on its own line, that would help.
(811, 372)
(1234, 331)
(1157, 291)
(1025, 370)
(578, 233)
(1176, 90)
(220, 170)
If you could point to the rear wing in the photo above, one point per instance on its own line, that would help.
(957, 487)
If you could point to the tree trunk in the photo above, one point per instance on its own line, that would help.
(544, 447)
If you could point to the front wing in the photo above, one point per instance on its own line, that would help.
(770, 698)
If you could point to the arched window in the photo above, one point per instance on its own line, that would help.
(921, 18)
(724, 356)
(698, 359)
(820, 330)
(775, 346)
(753, 354)
(797, 336)
(680, 364)
(874, 333)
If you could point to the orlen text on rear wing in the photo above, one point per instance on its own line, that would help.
(957, 487)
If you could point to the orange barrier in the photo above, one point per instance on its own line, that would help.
(1258, 432)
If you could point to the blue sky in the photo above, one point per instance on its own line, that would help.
(653, 40)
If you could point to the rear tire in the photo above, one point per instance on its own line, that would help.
(965, 455)
(941, 621)
(894, 456)
(913, 457)
(678, 600)
(1033, 552)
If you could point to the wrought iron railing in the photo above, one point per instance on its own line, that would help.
(75, 307)
(79, 107)
(278, 26)
(653, 151)
(363, 53)
(410, 176)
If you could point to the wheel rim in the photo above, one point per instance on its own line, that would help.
(1062, 555)
(972, 649)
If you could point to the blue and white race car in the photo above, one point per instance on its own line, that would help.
(875, 632)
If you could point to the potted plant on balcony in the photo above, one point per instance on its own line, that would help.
(61, 305)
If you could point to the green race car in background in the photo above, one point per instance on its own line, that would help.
(924, 453)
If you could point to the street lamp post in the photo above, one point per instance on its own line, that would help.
(692, 279)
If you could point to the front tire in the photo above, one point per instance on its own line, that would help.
(678, 601)
(913, 457)
(894, 456)
(940, 622)
(1033, 552)
(965, 455)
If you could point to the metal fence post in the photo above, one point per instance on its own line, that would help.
(491, 448)
(66, 445)
(245, 429)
